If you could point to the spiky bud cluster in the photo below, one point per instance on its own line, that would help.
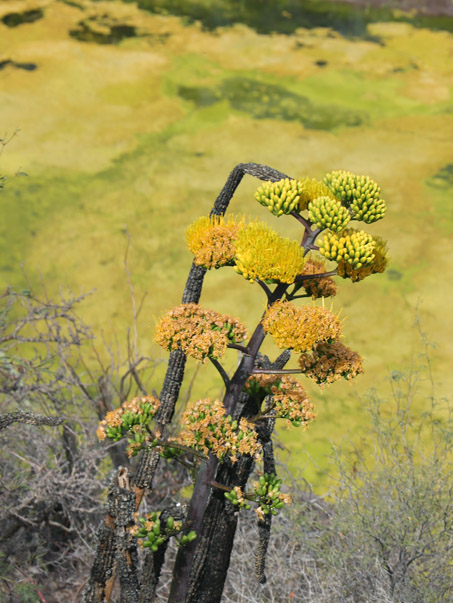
(130, 419)
(379, 263)
(360, 193)
(152, 533)
(208, 429)
(299, 329)
(311, 189)
(268, 495)
(198, 332)
(280, 197)
(326, 212)
(318, 287)
(330, 362)
(351, 246)
(263, 254)
(211, 240)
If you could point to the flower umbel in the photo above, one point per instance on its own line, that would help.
(289, 399)
(330, 362)
(378, 264)
(130, 418)
(264, 255)
(198, 332)
(299, 329)
(211, 240)
(207, 429)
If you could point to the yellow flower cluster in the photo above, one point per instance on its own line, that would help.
(198, 332)
(263, 254)
(379, 263)
(289, 399)
(207, 429)
(299, 329)
(211, 240)
(330, 362)
(312, 189)
(318, 287)
(351, 246)
(280, 197)
(138, 411)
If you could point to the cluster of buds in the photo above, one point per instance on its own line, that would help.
(360, 193)
(263, 254)
(299, 329)
(268, 495)
(330, 362)
(131, 418)
(326, 212)
(318, 287)
(351, 246)
(378, 264)
(211, 240)
(289, 399)
(280, 197)
(236, 498)
(206, 428)
(152, 533)
(198, 332)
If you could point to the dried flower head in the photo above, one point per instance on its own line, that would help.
(311, 189)
(289, 399)
(207, 428)
(263, 254)
(211, 240)
(299, 329)
(379, 263)
(318, 287)
(198, 332)
(330, 362)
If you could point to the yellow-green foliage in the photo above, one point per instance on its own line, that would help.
(264, 255)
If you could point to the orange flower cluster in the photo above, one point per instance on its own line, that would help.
(289, 399)
(138, 411)
(299, 329)
(207, 429)
(211, 240)
(330, 362)
(198, 332)
(318, 287)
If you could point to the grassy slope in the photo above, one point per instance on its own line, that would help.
(144, 134)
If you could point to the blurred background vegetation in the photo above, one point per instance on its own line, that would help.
(131, 116)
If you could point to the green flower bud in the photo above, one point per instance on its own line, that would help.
(360, 193)
(328, 213)
(280, 197)
(352, 246)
